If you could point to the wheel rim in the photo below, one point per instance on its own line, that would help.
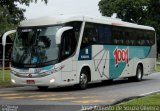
(83, 80)
(139, 74)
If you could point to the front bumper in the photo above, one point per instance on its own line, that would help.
(50, 80)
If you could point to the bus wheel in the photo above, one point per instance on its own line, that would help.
(83, 82)
(139, 74)
(42, 88)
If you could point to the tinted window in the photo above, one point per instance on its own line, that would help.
(104, 34)
(90, 35)
(76, 28)
(68, 44)
(70, 39)
(96, 34)
(131, 36)
(116, 35)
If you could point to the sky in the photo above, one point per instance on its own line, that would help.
(56, 7)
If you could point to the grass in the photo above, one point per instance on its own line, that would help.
(148, 100)
(158, 59)
(152, 103)
(7, 82)
(158, 68)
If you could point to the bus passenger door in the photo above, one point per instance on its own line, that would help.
(68, 46)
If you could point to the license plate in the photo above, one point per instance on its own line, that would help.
(30, 82)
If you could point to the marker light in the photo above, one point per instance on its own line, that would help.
(13, 81)
(52, 80)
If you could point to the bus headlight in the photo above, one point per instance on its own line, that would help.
(13, 81)
(52, 80)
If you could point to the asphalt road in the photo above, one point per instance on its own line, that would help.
(72, 99)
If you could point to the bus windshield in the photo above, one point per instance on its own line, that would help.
(35, 45)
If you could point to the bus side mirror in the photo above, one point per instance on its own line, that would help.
(5, 36)
(60, 32)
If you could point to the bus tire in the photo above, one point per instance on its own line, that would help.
(139, 73)
(83, 80)
(42, 88)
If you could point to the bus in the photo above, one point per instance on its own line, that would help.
(76, 50)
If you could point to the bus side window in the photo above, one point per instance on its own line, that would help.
(104, 34)
(68, 44)
(90, 35)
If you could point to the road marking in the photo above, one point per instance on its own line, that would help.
(16, 97)
(68, 98)
(145, 94)
(46, 97)
(85, 97)
(18, 93)
(2, 95)
(54, 99)
(92, 101)
(4, 92)
(29, 93)
(41, 96)
(6, 95)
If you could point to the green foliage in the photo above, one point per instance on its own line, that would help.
(148, 100)
(145, 12)
(158, 68)
(126, 9)
(5, 23)
(11, 14)
(7, 78)
(147, 103)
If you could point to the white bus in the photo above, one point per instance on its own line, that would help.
(70, 50)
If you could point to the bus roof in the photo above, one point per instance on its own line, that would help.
(60, 19)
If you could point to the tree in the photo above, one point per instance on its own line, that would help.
(144, 12)
(125, 9)
(11, 14)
